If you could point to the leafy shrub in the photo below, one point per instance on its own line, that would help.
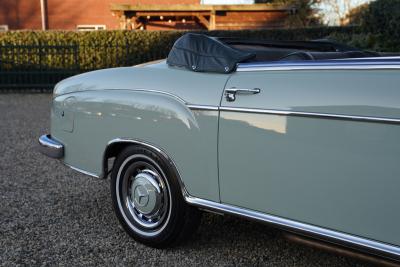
(39, 59)
(103, 49)
(382, 18)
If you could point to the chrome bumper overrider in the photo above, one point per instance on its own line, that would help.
(50, 147)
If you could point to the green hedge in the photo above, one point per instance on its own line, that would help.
(157, 38)
(39, 59)
(83, 51)
(382, 21)
(103, 49)
(97, 49)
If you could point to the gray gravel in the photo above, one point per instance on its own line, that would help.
(51, 215)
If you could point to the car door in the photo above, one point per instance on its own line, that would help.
(315, 146)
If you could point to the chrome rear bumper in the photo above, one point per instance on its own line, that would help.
(51, 147)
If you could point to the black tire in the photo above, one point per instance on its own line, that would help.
(155, 186)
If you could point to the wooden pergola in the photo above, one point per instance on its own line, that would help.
(208, 17)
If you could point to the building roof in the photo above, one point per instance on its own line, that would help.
(208, 8)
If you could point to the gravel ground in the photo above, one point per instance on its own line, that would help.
(52, 215)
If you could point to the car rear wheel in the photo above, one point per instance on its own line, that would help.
(148, 200)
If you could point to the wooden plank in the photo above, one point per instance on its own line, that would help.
(212, 21)
(173, 25)
(244, 25)
(254, 7)
(249, 24)
(170, 14)
(203, 21)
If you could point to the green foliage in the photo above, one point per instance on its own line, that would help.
(362, 41)
(382, 18)
(103, 49)
(95, 50)
(37, 59)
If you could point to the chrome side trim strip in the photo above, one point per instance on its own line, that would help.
(131, 89)
(313, 115)
(82, 171)
(202, 107)
(158, 92)
(299, 114)
(383, 58)
(356, 242)
(333, 64)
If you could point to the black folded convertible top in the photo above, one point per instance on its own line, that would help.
(200, 52)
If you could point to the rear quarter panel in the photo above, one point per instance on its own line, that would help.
(147, 104)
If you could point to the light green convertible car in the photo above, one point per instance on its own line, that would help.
(302, 135)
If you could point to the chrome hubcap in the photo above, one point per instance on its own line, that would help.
(146, 193)
(143, 195)
(146, 196)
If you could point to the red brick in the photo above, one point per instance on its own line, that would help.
(66, 14)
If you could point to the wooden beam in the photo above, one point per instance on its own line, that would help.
(170, 14)
(203, 21)
(248, 25)
(164, 25)
(212, 21)
(253, 7)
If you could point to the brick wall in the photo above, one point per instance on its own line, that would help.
(66, 14)
(20, 14)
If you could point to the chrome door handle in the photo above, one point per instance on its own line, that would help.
(230, 93)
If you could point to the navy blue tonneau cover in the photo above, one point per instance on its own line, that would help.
(199, 52)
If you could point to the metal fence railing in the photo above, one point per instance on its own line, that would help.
(42, 66)
(36, 66)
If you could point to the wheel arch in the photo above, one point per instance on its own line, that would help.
(115, 146)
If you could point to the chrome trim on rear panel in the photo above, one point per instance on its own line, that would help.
(299, 114)
(159, 92)
(371, 246)
(82, 171)
(202, 107)
(374, 63)
(313, 115)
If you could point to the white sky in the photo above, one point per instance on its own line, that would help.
(330, 17)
